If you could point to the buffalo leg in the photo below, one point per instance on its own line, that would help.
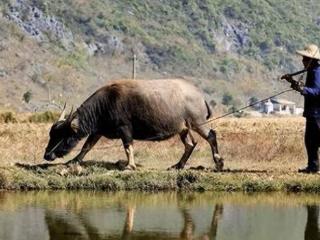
(129, 152)
(128, 227)
(90, 142)
(189, 227)
(127, 140)
(210, 136)
(189, 145)
(217, 214)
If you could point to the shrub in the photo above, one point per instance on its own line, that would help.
(8, 117)
(27, 96)
(3, 180)
(44, 117)
(227, 99)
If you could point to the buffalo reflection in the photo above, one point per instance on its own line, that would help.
(76, 226)
(189, 226)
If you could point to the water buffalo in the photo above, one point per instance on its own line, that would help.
(136, 109)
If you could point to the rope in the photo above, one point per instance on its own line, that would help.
(240, 109)
(55, 147)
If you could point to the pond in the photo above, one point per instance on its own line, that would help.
(126, 215)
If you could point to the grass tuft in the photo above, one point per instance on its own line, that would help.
(8, 117)
(45, 117)
(3, 180)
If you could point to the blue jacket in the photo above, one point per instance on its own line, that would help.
(311, 93)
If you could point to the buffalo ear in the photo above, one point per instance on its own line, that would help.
(75, 125)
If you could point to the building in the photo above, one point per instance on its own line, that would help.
(280, 106)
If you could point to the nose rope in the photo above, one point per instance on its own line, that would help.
(55, 147)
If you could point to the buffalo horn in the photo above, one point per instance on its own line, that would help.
(70, 115)
(63, 113)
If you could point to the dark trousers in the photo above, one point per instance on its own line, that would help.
(312, 142)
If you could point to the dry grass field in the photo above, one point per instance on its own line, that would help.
(261, 154)
(272, 144)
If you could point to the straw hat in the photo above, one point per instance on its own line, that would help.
(310, 51)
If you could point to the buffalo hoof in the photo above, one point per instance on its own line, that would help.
(219, 165)
(73, 161)
(177, 166)
(130, 167)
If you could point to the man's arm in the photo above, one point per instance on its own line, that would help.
(313, 91)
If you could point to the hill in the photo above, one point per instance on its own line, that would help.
(52, 51)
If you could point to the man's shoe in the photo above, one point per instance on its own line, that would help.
(309, 170)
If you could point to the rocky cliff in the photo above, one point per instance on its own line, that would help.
(52, 51)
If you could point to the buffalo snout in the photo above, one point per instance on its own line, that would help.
(49, 156)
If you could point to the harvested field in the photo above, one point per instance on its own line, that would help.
(256, 144)
(260, 155)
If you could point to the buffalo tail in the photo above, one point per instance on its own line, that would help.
(209, 110)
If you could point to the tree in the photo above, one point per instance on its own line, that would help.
(227, 99)
(253, 100)
(27, 96)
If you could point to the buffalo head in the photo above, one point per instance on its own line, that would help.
(63, 137)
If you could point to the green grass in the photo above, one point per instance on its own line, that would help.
(98, 177)
(43, 117)
(40, 117)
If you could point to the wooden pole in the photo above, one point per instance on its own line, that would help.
(134, 60)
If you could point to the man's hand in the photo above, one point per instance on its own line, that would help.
(288, 77)
(298, 86)
(295, 85)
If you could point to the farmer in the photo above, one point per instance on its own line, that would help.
(311, 93)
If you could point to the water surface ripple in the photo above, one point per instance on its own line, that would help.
(125, 215)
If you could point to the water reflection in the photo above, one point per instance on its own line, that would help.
(65, 225)
(157, 216)
(189, 225)
(312, 226)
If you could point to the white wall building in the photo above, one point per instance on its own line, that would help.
(280, 106)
